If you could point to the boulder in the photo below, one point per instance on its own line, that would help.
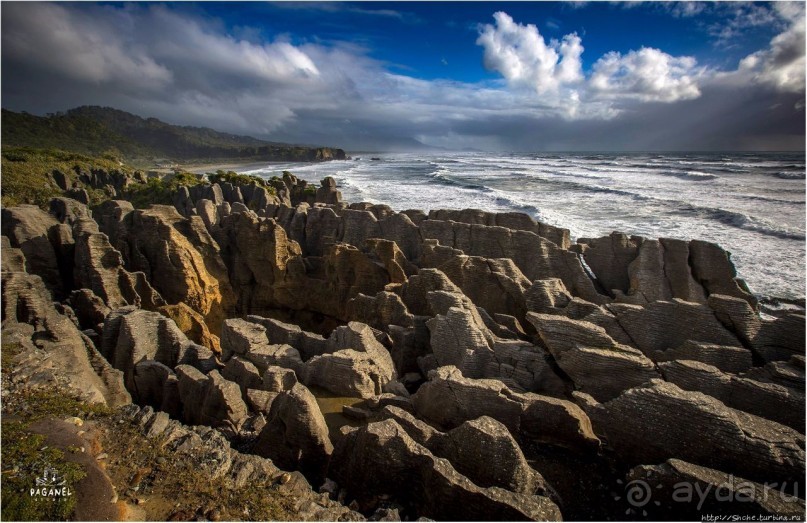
(210, 399)
(448, 399)
(192, 324)
(240, 336)
(295, 436)
(380, 459)
(242, 372)
(658, 421)
(663, 325)
(485, 452)
(767, 400)
(595, 362)
(685, 491)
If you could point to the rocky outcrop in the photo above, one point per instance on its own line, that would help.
(296, 436)
(536, 257)
(356, 365)
(658, 421)
(448, 399)
(768, 400)
(218, 459)
(381, 459)
(99, 267)
(179, 257)
(192, 324)
(663, 325)
(52, 347)
(781, 339)
(210, 399)
(728, 359)
(328, 193)
(132, 335)
(511, 220)
(685, 491)
(483, 450)
(460, 338)
(595, 362)
(637, 270)
(36, 234)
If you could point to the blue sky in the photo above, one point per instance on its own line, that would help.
(416, 37)
(484, 75)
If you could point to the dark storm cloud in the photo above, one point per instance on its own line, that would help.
(156, 60)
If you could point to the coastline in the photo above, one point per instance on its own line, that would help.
(441, 335)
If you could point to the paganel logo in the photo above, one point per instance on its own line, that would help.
(51, 485)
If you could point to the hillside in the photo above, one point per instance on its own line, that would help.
(100, 130)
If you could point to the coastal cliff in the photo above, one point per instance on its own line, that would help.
(482, 365)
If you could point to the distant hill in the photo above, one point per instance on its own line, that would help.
(96, 131)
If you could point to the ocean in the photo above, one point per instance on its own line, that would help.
(752, 204)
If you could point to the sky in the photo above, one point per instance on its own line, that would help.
(491, 76)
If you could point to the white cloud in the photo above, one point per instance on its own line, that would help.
(76, 47)
(782, 64)
(648, 74)
(166, 61)
(523, 57)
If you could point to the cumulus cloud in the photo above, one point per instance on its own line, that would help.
(173, 63)
(523, 57)
(782, 64)
(647, 74)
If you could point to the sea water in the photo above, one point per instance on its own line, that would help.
(752, 204)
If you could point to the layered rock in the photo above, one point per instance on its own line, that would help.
(483, 450)
(448, 399)
(663, 325)
(209, 399)
(768, 400)
(296, 436)
(381, 459)
(179, 257)
(658, 421)
(99, 267)
(595, 362)
(638, 270)
(55, 345)
(686, 491)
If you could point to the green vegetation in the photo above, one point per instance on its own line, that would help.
(24, 453)
(163, 475)
(235, 178)
(310, 190)
(25, 457)
(103, 131)
(159, 191)
(26, 173)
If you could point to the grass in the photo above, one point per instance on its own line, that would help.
(160, 191)
(239, 179)
(24, 454)
(172, 484)
(26, 173)
(24, 459)
(175, 484)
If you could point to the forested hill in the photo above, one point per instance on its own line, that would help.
(103, 130)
